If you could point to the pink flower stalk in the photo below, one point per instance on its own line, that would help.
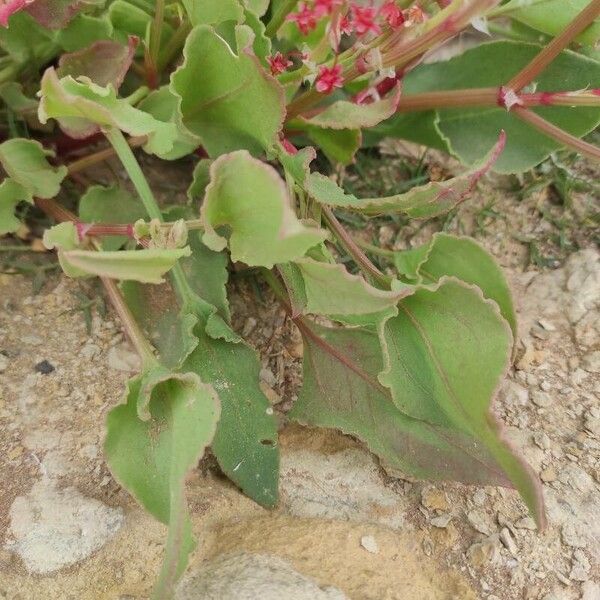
(306, 18)
(364, 20)
(392, 14)
(328, 79)
(279, 63)
(289, 147)
(9, 8)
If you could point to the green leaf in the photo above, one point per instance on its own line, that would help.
(213, 12)
(162, 105)
(238, 106)
(104, 62)
(83, 108)
(338, 145)
(21, 105)
(26, 163)
(445, 356)
(110, 205)
(82, 31)
(552, 16)
(258, 7)
(11, 193)
(152, 442)
(341, 391)
(251, 199)
(145, 266)
(349, 115)
(421, 202)
(200, 180)
(329, 289)
(463, 258)
(470, 132)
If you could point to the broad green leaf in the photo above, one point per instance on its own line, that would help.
(463, 258)
(213, 12)
(25, 40)
(162, 105)
(552, 16)
(245, 444)
(258, 7)
(297, 165)
(254, 33)
(82, 108)
(11, 193)
(421, 202)
(329, 289)
(132, 20)
(21, 105)
(340, 390)
(238, 106)
(349, 115)
(110, 205)
(470, 132)
(146, 266)
(246, 440)
(200, 180)
(104, 62)
(26, 163)
(338, 145)
(445, 356)
(82, 31)
(152, 442)
(251, 200)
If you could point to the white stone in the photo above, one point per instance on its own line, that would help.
(369, 543)
(53, 528)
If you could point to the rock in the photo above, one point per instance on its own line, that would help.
(590, 591)
(245, 576)
(54, 528)
(592, 425)
(442, 521)
(572, 537)
(508, 541)
(434, 499)
(548, 475)
(44, 367)
(3, 363)
(541, 440)
(484, 552)
(122, 358)
(480, 522)
(369, 543)
(580, 570)
(577, 478)
(267, 376)
(526, 523)
(515, 395)
(583, 281)
(591, 362)
(541, 399)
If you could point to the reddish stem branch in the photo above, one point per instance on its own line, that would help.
(557, 133)
(555, 47)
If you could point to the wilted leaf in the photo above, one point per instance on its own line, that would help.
(26, 163)
(104, 62)
(152, 441)
(433, 199)
(238, 106)
(55, 14)
(463, 258)
(251, 199)
(82, 108)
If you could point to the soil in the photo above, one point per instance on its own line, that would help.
(344, 528)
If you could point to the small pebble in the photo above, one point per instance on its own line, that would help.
(44, 367)
(369, 543)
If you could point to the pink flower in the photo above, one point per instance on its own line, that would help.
(306, 18)
(346, 26)
(326, 7)
(329, 78)
(363, 20)
(9, 8)
(414, 15)
(392, 14)
(278, 63)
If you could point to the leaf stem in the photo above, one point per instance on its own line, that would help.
(361, 259)
(156, 33)
(131, 165)
(174, 45)
(97, 157)
(557, 133)
(555, 47)
(278, 17)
